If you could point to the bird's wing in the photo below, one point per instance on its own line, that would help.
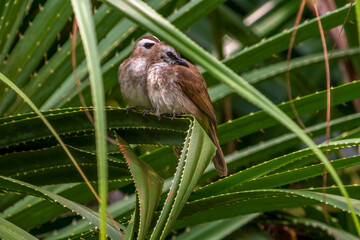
(193, 85)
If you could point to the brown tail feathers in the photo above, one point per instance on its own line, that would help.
(177, 151)
(218, 160)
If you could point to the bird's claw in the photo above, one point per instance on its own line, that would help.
(148, 111)
(161, 115)
(129, 109)
(173, 116)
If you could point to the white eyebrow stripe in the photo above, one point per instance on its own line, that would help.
(143, 41)
(156, 38)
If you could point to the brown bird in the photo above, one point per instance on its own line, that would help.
(175, 86)
(132, 74)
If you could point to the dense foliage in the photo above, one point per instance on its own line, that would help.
(275, 187)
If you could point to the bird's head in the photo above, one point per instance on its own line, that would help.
(143, 46)
(165, 54)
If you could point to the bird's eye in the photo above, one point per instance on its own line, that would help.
(148, 45)
(171, 55)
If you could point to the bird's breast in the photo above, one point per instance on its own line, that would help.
(132, 79)
(165, 94)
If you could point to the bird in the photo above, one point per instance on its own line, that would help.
(132, 75)
(175, 86)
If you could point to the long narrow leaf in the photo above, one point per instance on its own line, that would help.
(197, 152)
(221, 91)
(12, 232)
(148, 184)
(246, 202)
(85, 19)
(237, 180)
(33, 212)
(218, 229)
(13, 185)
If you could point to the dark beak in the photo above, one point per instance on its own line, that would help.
(182, 62)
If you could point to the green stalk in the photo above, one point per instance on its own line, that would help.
(357, 10)
(85, 20)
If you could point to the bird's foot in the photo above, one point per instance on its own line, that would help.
(173, 116)
(129, 109)
(160, 116)
(148, 111)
